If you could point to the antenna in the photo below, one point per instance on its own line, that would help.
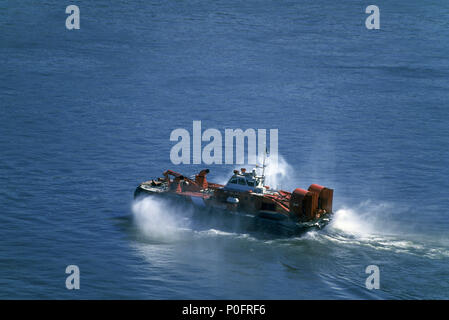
(263, 165)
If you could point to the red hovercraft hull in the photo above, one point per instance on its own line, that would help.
(301, 208)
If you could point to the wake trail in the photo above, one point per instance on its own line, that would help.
(371, 226)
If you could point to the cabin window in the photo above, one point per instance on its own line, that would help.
(242, 182)
(250, 183)
(233, 181)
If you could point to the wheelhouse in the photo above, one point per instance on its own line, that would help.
(246, 181)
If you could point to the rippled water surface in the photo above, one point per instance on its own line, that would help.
(86, 115)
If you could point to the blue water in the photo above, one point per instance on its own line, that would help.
(87, 114)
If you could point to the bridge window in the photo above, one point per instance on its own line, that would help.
(242, 182)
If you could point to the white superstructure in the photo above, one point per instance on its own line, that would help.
(246, 181)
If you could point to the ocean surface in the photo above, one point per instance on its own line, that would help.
(86, 115)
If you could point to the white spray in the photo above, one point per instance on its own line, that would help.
(365, 220)
(278, 175)
(159, 220)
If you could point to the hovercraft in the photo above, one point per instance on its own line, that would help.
(246, 193)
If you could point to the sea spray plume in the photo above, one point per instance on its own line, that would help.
(348, 221)
(366, 219)
(279, 175)
(160, 220)
(373, 225)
